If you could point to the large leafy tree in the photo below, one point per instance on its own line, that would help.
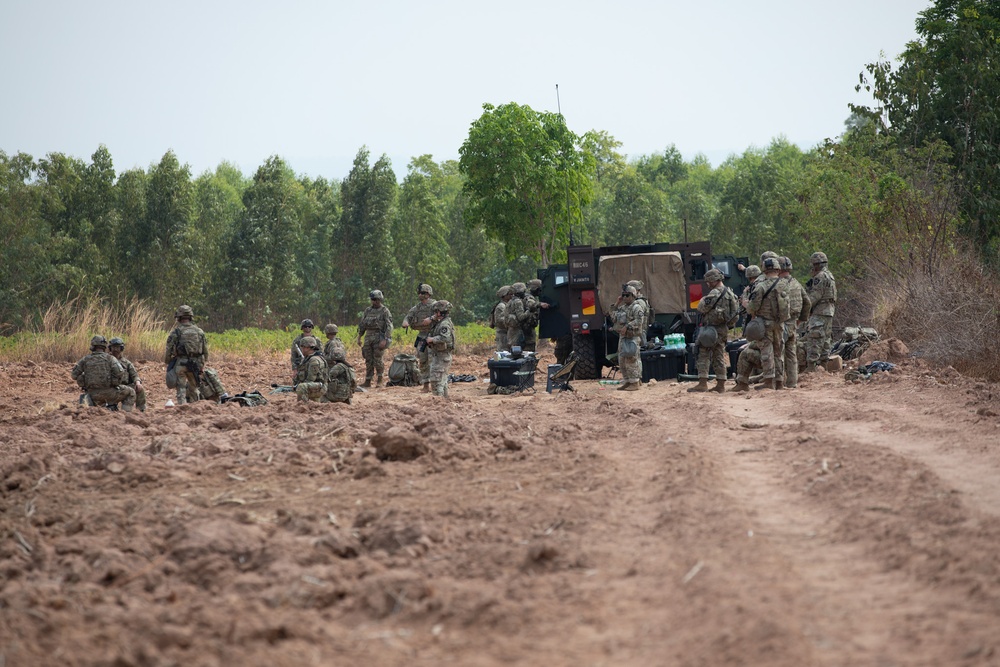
(947, 87)
(363, 241)
(420, 230)
(527, 179)
(24, 265)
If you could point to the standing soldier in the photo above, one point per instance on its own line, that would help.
(297, 355)
(498, 318)
(532, 305)
(310, 378)
(102, 378)
(442, 342)
(646, 310)
(376, 329)
(822, 289)
(419, 318)
(334, 350)
(798, 311)
(187, 351)
(117, 348)
(516, 314)
(770, 303)
(628, 321)
(719, 311)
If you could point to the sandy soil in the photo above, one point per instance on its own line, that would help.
(837, 524)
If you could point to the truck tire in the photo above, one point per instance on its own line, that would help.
(586, 358)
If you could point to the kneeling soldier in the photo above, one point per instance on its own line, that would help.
(311, 376)
(102, 377)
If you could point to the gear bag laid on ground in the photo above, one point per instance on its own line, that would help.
(247, 399)
(404, 371)
(211, 386)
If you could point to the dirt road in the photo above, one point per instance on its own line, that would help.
(836, 524)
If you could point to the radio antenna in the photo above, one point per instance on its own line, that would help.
(568, 221)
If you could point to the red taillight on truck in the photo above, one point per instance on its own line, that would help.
(588, 301)
(694, 294)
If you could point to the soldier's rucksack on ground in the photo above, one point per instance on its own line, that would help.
(248, 399)
(211, 386)
(404, 371)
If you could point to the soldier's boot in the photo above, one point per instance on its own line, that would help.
(741, 387)
(720, 386)
(701, 386)
(427, 388)
(767, 383)
(378, 382)
(632, 386)
(368, 382)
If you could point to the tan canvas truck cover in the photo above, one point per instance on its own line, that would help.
(662, 274)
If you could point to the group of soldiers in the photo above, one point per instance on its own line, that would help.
(327, 376)
(784, 316)
(515, 315)
(108, 378)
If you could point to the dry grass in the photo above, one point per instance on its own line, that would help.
(949, 318)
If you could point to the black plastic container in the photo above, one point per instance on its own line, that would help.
(661, 364)
(513, 372)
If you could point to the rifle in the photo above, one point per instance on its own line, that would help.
(282, 388)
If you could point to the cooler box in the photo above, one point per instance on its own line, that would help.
(661, 364)
(513, 372)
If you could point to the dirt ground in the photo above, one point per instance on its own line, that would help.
(837, 524)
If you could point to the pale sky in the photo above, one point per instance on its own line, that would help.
(314, 81)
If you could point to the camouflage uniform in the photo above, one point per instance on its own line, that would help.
(415, 319)
(822, 289)
(628, 322)
(375, 327)
(798, 311)
(188, 363)
(103, 379)
(441, 342)
(646, 310)
(749, 362)
(334, 350)
(297, 356)
(532, 309)
(718, 310)
(769, 302)
(312, 374)
(516, 313)
(498, 318)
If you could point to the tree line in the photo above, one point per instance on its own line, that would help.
(910, 182)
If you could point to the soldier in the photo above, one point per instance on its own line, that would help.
(822, 290)
(798, 311)
(516, 314)
(533, 306)
(117, 348)
(441, 342)
(719, 310)
(769, 302)
(297, 356)
(748, 363)
(312, 374)
(646, 310)
(102, 378)
(752, 273)
(419, 318)
(187, 351)
(334, 350)
(498, 317)
(628, 322)
(376, 329)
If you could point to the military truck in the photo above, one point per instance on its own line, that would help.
(582, 293)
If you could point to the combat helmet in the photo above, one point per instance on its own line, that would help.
(771, 264)
(767, 253)
(503, 291)
(442, 306)
(518, 288)
(534, 284)
(116, 342)
(310, 342)
(637, 284)
(629, 290)
(307, 323)
(98, 341)
(184, 311)
(331, 329)
(376, 294)
(785, 263)
(424, 288)
(753, 271)
(714, 276)
(818, 258)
